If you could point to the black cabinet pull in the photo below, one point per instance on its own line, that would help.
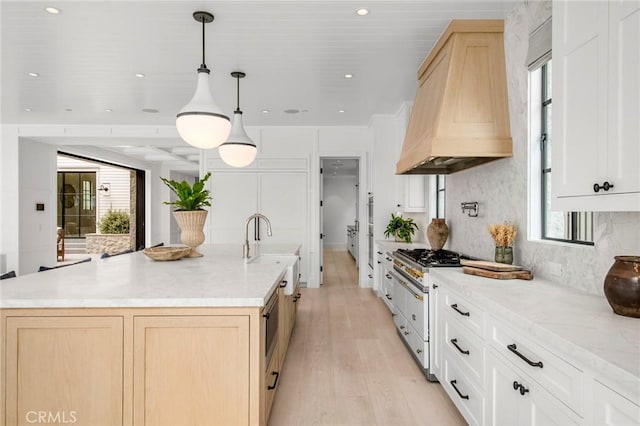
(513, 348)
(388, 276)
(379, 252)
(371, 276)
(435, 286)
(299, 295)
(275, 382)
(379, 262)
(453, 383)
(413, 317)
(606, 186)
(266, 315)
(455, 308)
(519, 386)
(284, 284)
(388, 297)
(454, 342)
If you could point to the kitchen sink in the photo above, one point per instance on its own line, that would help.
(291, 262)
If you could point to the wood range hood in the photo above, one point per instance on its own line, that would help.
(460, 116)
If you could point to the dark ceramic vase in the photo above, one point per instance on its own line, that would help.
(622, 286)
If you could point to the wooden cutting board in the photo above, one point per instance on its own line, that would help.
(498, 275)
(490, 266)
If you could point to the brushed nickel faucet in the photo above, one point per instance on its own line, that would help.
(256, 216)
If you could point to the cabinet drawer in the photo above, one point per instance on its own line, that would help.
(418, 346)
(466, 312)
(561, 379)
(465, 347)
(415, 313)
(399, 297)
(400, 321)
(611, 408)
(464, 394)
(271, 378)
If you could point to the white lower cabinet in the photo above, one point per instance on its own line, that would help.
(611, 408)
(462, 390)
(498, 374)
(513, 398)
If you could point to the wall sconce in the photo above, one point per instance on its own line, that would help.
(471, 207)
(105, 187)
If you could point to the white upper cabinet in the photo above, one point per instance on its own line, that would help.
(596, 106)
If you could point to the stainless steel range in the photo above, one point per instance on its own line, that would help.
(413, 306)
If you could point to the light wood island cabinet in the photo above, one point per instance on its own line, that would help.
(129, 341)
(160, 366)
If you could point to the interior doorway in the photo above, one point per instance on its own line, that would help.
(87, 189)
(339, 209)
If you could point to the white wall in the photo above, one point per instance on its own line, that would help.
(37, 183)
(339, 202)
(10, 190)
(501, 189)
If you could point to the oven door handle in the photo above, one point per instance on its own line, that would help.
(405, 285)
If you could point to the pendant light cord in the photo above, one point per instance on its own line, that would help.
(238, 95)
(204, 65)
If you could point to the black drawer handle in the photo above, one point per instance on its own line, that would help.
(413, 317)
(388, 276)
(519, 386)
(454, 342)
(379, 252)
(388, 297)
(379, 262)
(295, 299)
(455, 308)
(513, 348)
(284, 284)
(453, 383)
(435, 286)
(266, 315)
(606, 186)
(275, 382)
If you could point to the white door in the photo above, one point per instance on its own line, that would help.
(321, 218)
(234, 200)
(283, 198)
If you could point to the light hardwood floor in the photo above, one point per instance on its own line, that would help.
(346, 364)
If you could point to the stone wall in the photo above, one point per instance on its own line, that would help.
(108, 243)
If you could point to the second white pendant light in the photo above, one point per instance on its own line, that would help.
(239, 150)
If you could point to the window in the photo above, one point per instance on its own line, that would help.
(439, 197)
(574, 227)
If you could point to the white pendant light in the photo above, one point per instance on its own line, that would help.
(239, 150)
(201, 122)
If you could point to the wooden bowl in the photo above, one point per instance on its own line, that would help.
(167, 253)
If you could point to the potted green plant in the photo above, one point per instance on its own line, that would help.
(189, 210)
(402, 229)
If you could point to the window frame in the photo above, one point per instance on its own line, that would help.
(571, 218)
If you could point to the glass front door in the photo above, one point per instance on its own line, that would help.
(77, 203)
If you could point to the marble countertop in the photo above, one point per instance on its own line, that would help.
(220, 278)
(577, 324)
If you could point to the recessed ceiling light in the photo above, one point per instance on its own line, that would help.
(52, 10)
(362, 12)
(265, 111)
(291, 111)
(139, 75)
(150, 110)
(27, 109)
(340, 110)
(348, 76)
(68, 109)
(34, 74)
(108, 110)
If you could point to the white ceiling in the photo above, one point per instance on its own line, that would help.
(295, 54)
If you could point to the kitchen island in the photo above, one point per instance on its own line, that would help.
(127, 340)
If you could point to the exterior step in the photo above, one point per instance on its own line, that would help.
(75, 246)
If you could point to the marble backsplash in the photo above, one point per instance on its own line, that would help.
(500, 188)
